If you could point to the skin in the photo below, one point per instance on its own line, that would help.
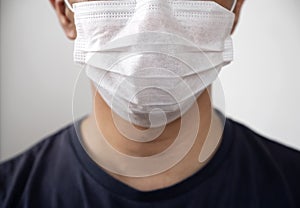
(101, 119)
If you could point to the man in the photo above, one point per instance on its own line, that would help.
(199, 158)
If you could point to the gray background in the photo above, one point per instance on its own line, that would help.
(38, 75)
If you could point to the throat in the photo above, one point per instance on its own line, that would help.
(143, 175)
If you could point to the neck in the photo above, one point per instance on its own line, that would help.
(103, 119)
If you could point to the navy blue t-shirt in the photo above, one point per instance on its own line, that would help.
(247, 170)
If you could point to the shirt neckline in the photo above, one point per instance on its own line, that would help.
(123, 190)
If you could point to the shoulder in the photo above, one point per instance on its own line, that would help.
(17, 171)
(56, 138)
(281, 153)
(267, 158)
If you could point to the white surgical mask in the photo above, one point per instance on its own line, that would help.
(151, 59)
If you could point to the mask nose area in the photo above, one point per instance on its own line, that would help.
(152, 16)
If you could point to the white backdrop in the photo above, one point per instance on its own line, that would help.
(38, 75)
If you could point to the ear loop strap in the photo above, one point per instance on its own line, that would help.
(69, 5)
(233, 5)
